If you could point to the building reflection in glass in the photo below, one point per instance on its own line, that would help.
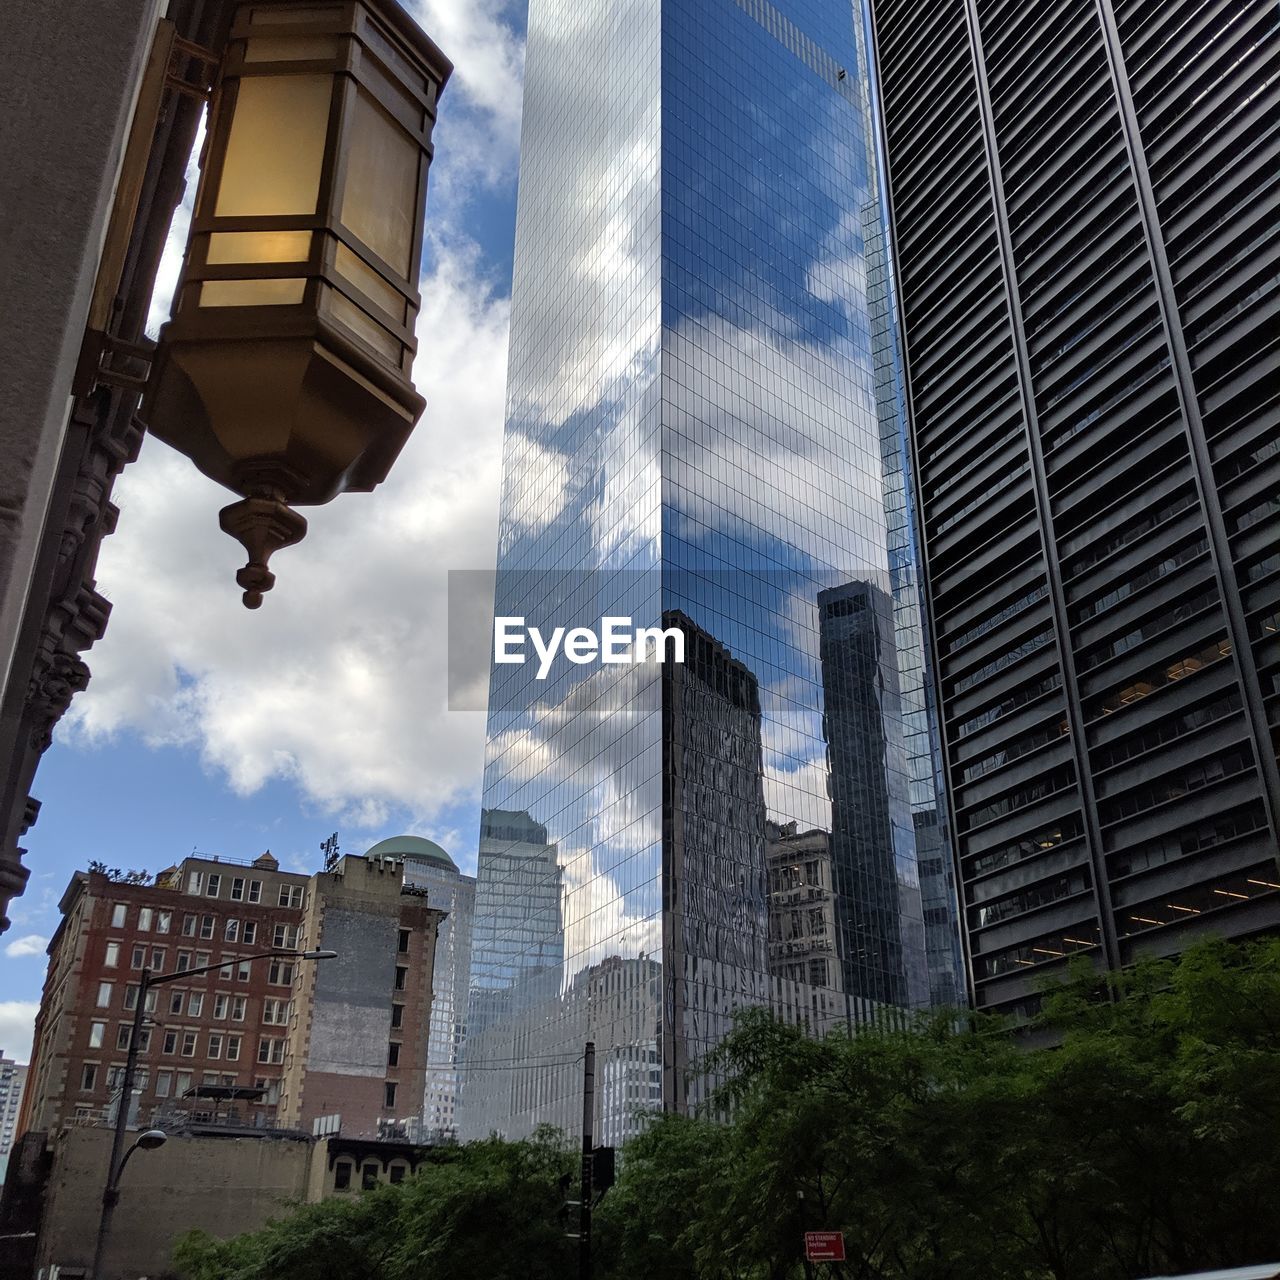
(873, 854)
(704, 421)
(715, 884)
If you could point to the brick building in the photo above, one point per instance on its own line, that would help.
(221, 1044)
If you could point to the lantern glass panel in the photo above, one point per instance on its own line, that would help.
(276, 146)
(380, 193)
(259, 246)
(353, 268)
(251, 293)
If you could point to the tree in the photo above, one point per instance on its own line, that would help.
(484, 1211)
(1141, 1138)
(651, 1225)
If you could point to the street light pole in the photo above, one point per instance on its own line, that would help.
(111, 1194)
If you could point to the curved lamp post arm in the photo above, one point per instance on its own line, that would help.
(111, 1193)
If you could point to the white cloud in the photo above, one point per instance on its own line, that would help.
(32, 945)
(477, 135)
(487, 56)
(338, 681)
(17, 1026)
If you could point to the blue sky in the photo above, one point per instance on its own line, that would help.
(210, 728)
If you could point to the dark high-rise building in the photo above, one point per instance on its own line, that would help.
(705, 418)
(1083, 199)
(717, 887)
(873, 850)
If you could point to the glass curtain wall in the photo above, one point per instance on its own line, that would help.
(704, 431)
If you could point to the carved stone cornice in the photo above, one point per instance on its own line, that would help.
(65, 614)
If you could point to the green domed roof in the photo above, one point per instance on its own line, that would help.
(414, 847)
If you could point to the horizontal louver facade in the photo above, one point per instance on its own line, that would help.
(1087, 244)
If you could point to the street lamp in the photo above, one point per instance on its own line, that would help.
(284, 372)
(149, 1140)
(153, 1138)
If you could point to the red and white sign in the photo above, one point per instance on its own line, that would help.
(824, 1246)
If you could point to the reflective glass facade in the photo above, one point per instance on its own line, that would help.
(705, 431)
(452, 892)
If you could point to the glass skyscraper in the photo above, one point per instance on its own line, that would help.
(704, 431)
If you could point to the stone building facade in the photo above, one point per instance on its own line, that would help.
(78, 282)
(213, 1179)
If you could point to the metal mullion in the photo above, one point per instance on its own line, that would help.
(941, 765)
(1053, 572)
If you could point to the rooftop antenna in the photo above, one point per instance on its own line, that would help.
(329, 848)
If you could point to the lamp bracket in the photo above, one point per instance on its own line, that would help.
(107, 359)
(195, 81)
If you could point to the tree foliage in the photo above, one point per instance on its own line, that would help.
(1133, 1131)
(488, 1209)
(1142, 1137)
